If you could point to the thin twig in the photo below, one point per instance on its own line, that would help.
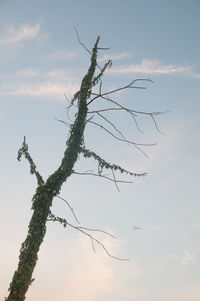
(72, 210)
(104, 110)
(136, 145)
(103, 48)
(92, 245)
(156, 125)
(133, 113)
(124, 140)
(81, 42)
(98, 242)
(102, 176)
(119, 109)
(112, 124)
(64, 122)
(84, 45)
(115, 180)
(93, 239)
(129, 86)
(98, 230)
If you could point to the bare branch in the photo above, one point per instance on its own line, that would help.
(92, 245)
(136, 145)
(72, 210)
(112, 124)
(129, 86)
(81, 42)
(98, 230)
(104, 110)
(98, 242)
(115, 180)
(132, 112)
(156, 125)
(102, 176)
(103, 48)
(83, 230)
(67, 99)
(62, 121)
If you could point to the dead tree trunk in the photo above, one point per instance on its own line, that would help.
(42, 200)
(46, 191)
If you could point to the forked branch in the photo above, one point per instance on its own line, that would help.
(136, 145)
(84, 230)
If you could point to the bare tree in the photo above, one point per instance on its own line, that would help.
(47, 190)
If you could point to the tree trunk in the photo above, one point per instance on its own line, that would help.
(42, 200)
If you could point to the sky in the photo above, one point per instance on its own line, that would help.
(156, 218)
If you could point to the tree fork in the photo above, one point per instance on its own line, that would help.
(45, 192)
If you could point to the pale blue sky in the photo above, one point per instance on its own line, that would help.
(40, 60)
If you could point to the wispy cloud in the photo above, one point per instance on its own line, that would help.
(60, 55)
(114, 57)
(54, 84)
(25, 32)
(28, 72)
(47, 88)
(89, 276)
(187, 257)
(148, 66)
(196, 226)
(154, 227)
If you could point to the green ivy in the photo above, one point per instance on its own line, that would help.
(104, 164)
(46, 191)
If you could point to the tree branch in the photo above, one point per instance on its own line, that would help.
(129, 86)
(136, 145)
(79, 40)
(93, 239)
(83, 230)
(24, 151)
(112, 124)
(103, 176)
(115, 180)
(133, 113)
(104, 164)
(72, 210)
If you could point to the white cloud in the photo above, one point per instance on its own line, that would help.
(87, 275)
(25, 32)
(196, 226)
(47, 88)
(190, 292)
(156, 67)
(187, 257)
(114, 57)
(28, 73)
(58, 75)
(59, 55)
(55, 83)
